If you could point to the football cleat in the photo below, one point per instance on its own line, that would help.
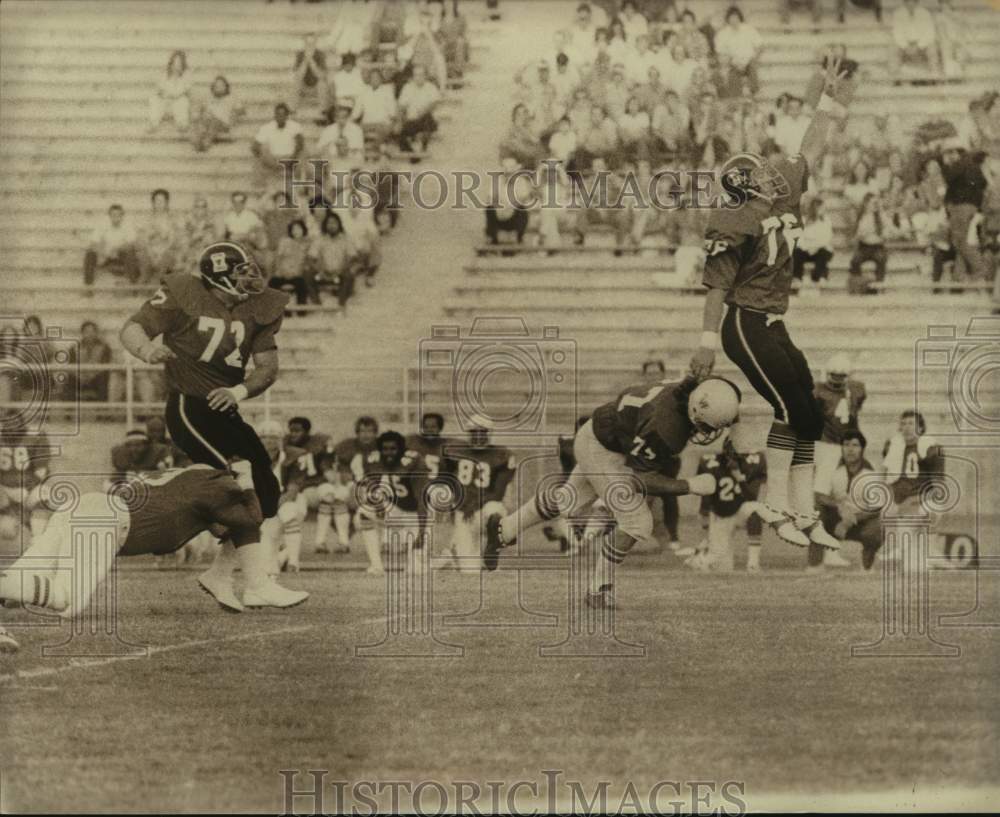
(8, 644)
(834, 559)
(494, 542)
(603, 599)
(272, 594)
(750, 175)
(782, 523)
(809, 523)
(221, 589)
(229, 266)
(713, 406)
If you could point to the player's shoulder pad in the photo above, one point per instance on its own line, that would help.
(185, 290)
(268, 306)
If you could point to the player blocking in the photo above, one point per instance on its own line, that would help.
(633, 439)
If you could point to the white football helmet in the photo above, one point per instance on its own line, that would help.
(713, 406)
(837, 369)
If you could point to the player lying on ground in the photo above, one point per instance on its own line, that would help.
(749, 246)
(635, 437)
(157, 516)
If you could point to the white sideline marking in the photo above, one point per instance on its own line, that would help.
(90, 663)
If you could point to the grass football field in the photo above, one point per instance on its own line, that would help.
(745, 680)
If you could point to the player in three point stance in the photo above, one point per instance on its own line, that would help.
(158, 515)
(749, 246)
(738, 477)
(638, 435)
(211, 325)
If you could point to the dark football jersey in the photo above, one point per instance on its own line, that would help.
(840, 408)
(176, 505)
(749, 249)
(647, 423)
(483, 473)
(405, 478)
(212, 342)
(432, 450)
(24, 460)
(737, 480)
(346, 453)
(125, 462)
(311, 458)
(292, 467)
(917, 471)
(567, 459)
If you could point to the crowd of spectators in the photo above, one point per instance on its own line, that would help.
(633, 88)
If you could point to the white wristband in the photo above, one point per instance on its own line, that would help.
(240, 393)
(830, 105)
(709, 340)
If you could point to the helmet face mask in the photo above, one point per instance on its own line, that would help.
(249, 279)
(748, 174)
(713, 406)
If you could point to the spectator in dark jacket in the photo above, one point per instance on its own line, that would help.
(93, 351)
(963, 198)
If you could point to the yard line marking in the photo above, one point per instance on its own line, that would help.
(90, 663)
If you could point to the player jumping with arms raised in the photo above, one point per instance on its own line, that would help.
(748, 268)
(211, 325)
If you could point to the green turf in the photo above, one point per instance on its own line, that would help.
(744, 679)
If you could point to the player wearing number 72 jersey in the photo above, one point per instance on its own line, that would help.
(748, 272)
(212, 324)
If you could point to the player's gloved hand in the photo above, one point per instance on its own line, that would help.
(157, 353)
(222, 399)
(701, 485)
(702, 362)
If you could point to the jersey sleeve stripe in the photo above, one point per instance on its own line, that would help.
(198, 436)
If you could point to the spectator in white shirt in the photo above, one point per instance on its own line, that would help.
(417, 102)
(790, 127)
(172, 98)
(562, 143)
(682, 69)
(348, 84)
(378, 108)
(310, 77)
(914, 37)
(639, 60)
(112, 248)
(635, 24)
(565, 79)
(243, 224)
(341, 144)
(738, 46)
(815, 244)
(278, 140)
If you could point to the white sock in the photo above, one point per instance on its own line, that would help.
(779, 463)
(323, 519)
(753, 554)
(269, 535)
(342, 522)
(293, 547)
(373, 547)
(225, 562)
(26, 585)
(256, 560)
(803, 500)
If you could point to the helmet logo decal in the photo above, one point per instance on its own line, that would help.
(218, 261)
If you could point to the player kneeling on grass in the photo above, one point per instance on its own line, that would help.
(391, 498)
(636, 436)
(738, 477)
(157, 515)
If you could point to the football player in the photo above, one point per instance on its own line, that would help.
(483, 471)
(429, 444)
(738, 477)
(336, 499)
(283, 532)
(346, 453)
(840, 399)
(911, 458)
(391, 488)
(212, 324)
(157, 516)
(635, 436)
(749, 245)
(138, 455)
(559, 531)
(24, 465)
(314, 447)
